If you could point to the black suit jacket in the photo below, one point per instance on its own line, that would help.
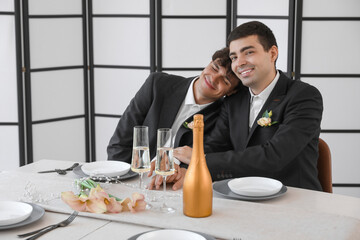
(287, 151)
(156, 105)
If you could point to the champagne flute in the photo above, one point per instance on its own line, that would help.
(140, 161)
(164, 164)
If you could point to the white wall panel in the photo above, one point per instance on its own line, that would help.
(263, 7)
(191, 7)
(121, 7)
(9, 147)
(57, 94)
(105, 128)
(8, 81)
(350, 191)
(55, 7)
(122, 41)
(7, 5)
(330, 47)
(114, 88)
(345, 154)
(191, 42)
(280, 30)
(341, 101)
(331, 8)
(56, 42)
(63, 140)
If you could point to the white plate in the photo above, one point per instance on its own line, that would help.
(173, 234)
(255, 186)
(12, 212)
(106, 168)
(37, 213)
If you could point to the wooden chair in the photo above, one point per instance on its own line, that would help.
(324, 166)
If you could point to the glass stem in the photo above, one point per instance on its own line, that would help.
(164, 187)
(141, 178)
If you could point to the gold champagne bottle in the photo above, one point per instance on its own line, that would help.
(197, 189)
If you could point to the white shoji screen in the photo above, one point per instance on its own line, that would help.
(9, 109)
(274, 14)
(330, 61)
(121, 62)
(57, 86)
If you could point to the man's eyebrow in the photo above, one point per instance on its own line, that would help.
(242, 50)
(246, 48)
(216, 64)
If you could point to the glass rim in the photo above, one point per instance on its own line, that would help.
(164, 129)
(141, 127)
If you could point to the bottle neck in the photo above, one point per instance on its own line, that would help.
(198, 145)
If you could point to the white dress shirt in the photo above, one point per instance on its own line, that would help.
(258, 101)
(188, 108)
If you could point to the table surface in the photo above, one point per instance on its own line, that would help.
(299, 212)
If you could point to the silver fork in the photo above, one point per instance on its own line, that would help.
(46, 229)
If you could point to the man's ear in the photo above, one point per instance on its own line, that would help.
(274, 53)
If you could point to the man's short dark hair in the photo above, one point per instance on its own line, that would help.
(224, 60)
(264, 33)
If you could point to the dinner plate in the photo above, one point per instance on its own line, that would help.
(222, 188)
(106, 168)
(12, 212)
(130, 174)
(255, 186)
(36, 214)
(173, 234)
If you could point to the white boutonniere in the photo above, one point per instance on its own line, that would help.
(265, 121)
(189, 125)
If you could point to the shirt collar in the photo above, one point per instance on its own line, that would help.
(266, 92)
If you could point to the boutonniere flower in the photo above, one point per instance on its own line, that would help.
(92, 198)
(189, 125)
(265, 121)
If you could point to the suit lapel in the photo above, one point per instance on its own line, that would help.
(207, 114)
(172, 103)
(243, 116)
(275, 98)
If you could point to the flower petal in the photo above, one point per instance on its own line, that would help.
(95, 205)
(114, 206)
(137, 203)
(75, 202)
(125, 204)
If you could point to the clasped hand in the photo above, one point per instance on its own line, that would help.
(177, 178)
(183, 154)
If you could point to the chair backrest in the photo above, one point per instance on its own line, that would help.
(324, 166)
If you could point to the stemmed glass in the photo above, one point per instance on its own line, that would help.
(164, 164)
(140, 161)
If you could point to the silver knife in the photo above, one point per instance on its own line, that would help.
(61, 171)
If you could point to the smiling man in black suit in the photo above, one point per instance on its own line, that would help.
(270, 128)
(167, 101)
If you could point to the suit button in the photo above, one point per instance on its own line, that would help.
(218, 175)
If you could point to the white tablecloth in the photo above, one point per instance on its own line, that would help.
(230, 218)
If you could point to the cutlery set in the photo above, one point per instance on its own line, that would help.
(46, 229)
(61, 171)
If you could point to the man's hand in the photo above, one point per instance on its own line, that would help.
(183, 154)
(177, 178)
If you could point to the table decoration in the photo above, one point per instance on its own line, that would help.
(222, 188)
(173, 234)
(255, 186)
(12, 212)
(106, 168)
(79, 172)
(92, 198)
(36, 214)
